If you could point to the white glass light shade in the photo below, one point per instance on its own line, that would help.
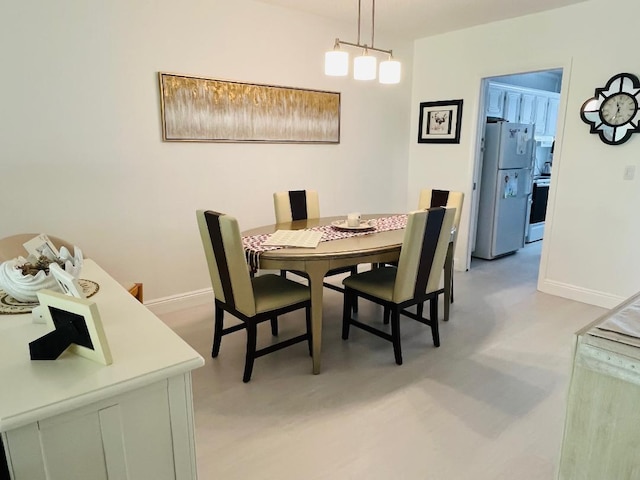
(390, 71)
(336, 63)
(364, 67)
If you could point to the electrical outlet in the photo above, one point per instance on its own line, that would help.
(629, 172)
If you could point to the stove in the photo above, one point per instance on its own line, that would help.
(538, 211)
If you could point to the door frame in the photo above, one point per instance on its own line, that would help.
(478, 156)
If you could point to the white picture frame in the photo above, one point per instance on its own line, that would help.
(41, 245)
(68, 283)
(60, 308)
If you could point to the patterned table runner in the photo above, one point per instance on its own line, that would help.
(253, 244)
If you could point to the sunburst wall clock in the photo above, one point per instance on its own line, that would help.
(613, 112)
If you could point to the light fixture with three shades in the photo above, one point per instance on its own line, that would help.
(365, 66)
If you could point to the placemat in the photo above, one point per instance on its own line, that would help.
(11, 306)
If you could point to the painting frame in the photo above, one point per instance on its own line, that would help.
(54, 303)
(202, 109)
(440, 121)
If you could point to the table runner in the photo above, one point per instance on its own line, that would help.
(253, 244)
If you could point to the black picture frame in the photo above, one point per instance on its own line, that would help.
(440, 121)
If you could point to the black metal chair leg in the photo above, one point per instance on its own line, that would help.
(395, 334)
(274, 326)
(433, 312)
(251, 351)
(346, 314)
(385, 315)
(217, 331)
(420, 309)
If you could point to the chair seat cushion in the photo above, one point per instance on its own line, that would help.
(378, 282)
(273, 291)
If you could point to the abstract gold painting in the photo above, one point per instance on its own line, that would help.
(196, 109)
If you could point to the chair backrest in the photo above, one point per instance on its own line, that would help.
(228, 267)
(12, 247)
(296, 205)
(423, 252)
(430, 198)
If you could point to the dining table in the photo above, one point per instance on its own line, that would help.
(376, 245)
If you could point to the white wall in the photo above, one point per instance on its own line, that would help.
(590, 248)
(82, 156)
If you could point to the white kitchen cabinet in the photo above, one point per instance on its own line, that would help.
(494, 101)
(512, 106)
(542, 102)
(552, 116)
(602, 425)
(524, 105)
(74, 419)
(527, 108)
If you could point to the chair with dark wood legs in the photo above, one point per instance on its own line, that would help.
(295, 205)
(252, 300)
(414, 281)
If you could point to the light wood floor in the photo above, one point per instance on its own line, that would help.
(488, 404)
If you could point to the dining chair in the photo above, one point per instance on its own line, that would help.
(295, 205)
(252, 300)
(444, 198)
(414, 281)
(13, 246)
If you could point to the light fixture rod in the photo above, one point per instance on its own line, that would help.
(373, 20)
(359, 10)
(359, 45)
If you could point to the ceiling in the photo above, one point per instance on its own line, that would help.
(413, 19)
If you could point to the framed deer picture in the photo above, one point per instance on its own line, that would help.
(440, 122)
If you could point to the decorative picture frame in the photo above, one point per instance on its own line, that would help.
(68, 284)
(199, 109)
(440, 121)
(76, 327)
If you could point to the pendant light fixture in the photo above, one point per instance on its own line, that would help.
(336, 61)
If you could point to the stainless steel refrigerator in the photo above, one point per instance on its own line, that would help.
(505, 187)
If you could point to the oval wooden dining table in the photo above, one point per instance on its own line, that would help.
(374, 247)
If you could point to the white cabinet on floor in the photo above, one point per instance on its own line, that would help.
(602, 426)
(74, 419)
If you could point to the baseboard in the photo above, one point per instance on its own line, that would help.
(584, 295)
(175, 303)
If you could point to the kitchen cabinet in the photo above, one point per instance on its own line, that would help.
(552, 115)
(74, 419)
(527, 108)
(512, 106)
(524, 105)
(495, 101)
(602, 425)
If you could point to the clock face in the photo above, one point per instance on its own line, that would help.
(613, 112)
(618, 109)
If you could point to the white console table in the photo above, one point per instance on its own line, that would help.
(602, 427)
(72, 418)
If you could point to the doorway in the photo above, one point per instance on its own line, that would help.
(531, 98)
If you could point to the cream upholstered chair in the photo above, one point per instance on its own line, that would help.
(252, 300)
(12, 247)
(295, 205)
(444, 198)
(415, 280)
